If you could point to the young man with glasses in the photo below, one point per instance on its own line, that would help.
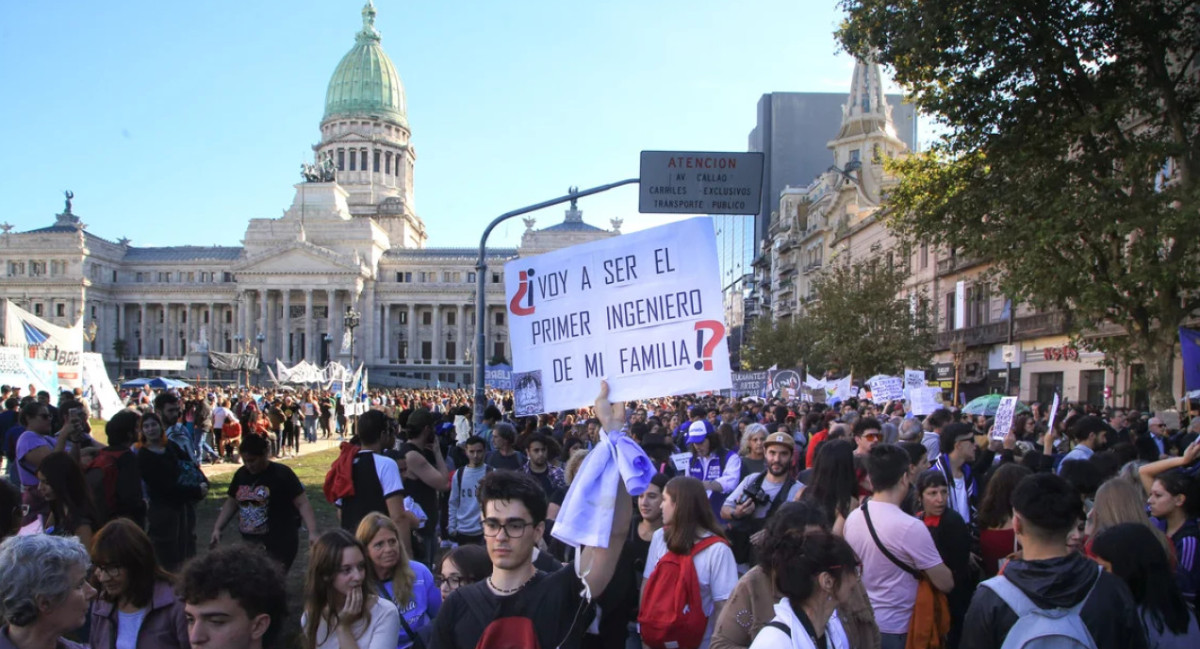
(867, 433)
(955, 462)
(518, 602)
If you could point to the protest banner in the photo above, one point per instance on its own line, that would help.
(45, 341)
(17, 368)
(1004, 418)
(681, 461)
(749, 384)
(1053, 413)
(913, 379)
(784, 384)
(498, 376)
(839, 390)
(925, 400)
(102, 398)
(642, 310)
(887, 389)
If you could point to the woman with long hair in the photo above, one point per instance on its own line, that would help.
(816, 572)
(61, 485)
(996, 537)
(752, 450)
(406, 583)
(342, 608)
(834, 487)
(1174, 499)
(174, 484)
(1119, 501)
(688, 519)
(136, 606)
(1131, 552)
(462, 566)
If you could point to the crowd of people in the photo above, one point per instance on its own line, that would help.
(750, 522)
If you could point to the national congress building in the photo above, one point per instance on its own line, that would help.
(356, 242)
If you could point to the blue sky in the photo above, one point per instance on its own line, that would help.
(174, 123)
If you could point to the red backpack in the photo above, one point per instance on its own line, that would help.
(101, 478)
(672, 615)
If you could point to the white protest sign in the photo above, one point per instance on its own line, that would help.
(643, 310)
(925, 400)
(1053, 413)
(1004, 418)
(681, 461)
(913, 379)
(887, 389)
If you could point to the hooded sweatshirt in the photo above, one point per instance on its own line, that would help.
(1109, 614)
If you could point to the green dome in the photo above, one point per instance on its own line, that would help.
(365, 83)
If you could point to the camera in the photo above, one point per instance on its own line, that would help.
(760, 497)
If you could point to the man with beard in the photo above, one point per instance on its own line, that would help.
(169, 408)
(759, 495)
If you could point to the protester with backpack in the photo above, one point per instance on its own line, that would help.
(113, 476)
(815, 572)
(690, 571)
(1051, 597)
(464, 520)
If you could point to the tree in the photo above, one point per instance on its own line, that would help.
(785, 342)
(864, 325)
(1068, 154)
(120, 347)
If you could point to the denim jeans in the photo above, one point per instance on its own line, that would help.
(892, 640)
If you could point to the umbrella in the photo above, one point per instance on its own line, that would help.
(988, 404)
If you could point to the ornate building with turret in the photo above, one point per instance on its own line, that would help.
(353, 243)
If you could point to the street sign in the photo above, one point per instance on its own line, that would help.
(700, 182)
(1009, 353)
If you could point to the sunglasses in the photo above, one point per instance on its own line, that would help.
(873, 437)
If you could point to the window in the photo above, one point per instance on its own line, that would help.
(1047, 384)
(949, 311)
(1091, 387)
(228, 277)
(404, 277)
(375, 168)
(404, 317)
(37, 268)
(427, 349)
(161, 349)
(977, 305)
(402, 349)
(495, 278)
(452, 318)
(499, 318)
(37, 309)
(471, 278)
(341, 159)
(114, 276)
(228, 316)
(363, 159)
(191, 277)
(854, 155)
(427, 317)
(60, 310)
(498, 350)
(450, 349)
(427, 276)
(353, 160)
(387, 163)
(183, 316)
(924, 256)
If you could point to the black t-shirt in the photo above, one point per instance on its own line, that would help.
(421, 493)
(510, 462)
(553, 601)
(266, 507)
(543, 479)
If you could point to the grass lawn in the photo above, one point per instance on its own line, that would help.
(311, 470)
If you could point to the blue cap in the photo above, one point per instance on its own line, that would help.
(699, 430)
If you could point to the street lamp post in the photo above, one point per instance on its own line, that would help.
(481, 281)
(262, 361)
(958, 348)
(238, 349)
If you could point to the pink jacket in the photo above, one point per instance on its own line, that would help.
(164, 626)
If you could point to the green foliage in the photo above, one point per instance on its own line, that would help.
(1058, 120)
(785, 342)
(865, 324)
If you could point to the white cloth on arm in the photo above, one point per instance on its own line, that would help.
(586, 515)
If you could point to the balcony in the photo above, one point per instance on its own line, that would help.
(951, 265)
(787, 268)
(816, 265)
(787, 243)
(1033, 326)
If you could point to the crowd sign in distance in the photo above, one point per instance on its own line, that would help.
(700, 182)
(643, 310)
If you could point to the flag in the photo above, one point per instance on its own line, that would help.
(1189, 346)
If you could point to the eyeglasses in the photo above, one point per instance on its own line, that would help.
(454, 581)
(514, 528)
(107, 569)
(873, 437)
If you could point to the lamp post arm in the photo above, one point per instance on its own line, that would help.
(481, 282)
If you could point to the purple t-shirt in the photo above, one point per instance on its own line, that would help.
(892, 591)
(30, 440)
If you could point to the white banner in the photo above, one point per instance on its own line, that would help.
(162, 365)
(19, 370)
(46, 341)
(925, 400)
(643, 310)
(1053, 413)
(913, 379)
(1004, 418)
(97, 389)
(839, 390)
(887, 389)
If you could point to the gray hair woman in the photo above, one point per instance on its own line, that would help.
(44, 592)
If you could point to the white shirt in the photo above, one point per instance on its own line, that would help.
(715, 568)
(382, 633)
(128, 626)
(959, 501)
